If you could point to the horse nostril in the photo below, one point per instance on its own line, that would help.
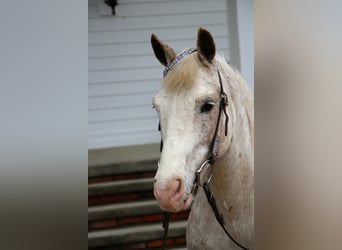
(179, 186)
(169, 189)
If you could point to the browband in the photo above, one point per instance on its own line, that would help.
(178, 59)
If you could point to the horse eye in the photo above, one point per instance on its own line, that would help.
(206, 107)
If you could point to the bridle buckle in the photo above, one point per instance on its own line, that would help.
(225, 99)
(203, 167)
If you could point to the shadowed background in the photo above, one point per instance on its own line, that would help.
(298, 124)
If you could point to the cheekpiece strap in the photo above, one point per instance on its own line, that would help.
(178, 59)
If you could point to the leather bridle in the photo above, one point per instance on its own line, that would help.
(213, 155)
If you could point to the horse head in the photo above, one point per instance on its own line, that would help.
(189, 107)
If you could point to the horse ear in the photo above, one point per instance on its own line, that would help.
(205, 45)
(163, 52)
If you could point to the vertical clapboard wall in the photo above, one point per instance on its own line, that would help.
(123, 72)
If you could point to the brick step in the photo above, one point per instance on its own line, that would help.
(121, 214)
(120, 191)
(175, 243)
(148, 235)
(120, 177)
(123, 210)
(122, 168)
(120, 187)
(117, 198)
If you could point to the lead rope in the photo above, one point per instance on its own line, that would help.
(166, 221)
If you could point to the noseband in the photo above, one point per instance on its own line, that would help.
(213, 155)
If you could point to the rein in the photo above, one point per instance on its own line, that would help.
(212, 157)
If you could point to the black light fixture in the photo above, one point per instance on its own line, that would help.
(112, 4)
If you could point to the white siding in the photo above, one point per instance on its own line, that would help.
(123, 72)
(245, 20)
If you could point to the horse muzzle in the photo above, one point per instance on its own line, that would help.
(170, 194)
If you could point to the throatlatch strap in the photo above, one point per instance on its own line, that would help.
(215, 145)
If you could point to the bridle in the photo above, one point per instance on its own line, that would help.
(213, 155)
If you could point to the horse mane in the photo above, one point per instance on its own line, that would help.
(236, 81)
(239, 92)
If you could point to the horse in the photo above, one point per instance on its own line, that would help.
(198, 129)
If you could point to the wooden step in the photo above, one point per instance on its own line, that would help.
(140, 233)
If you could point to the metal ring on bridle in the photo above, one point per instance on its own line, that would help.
(199, 171)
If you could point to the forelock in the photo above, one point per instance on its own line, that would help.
(183, 75)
